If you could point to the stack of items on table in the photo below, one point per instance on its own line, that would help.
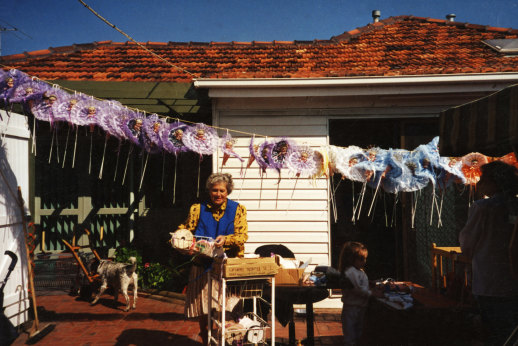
(396, 294)
(291, 271)
(324, 276)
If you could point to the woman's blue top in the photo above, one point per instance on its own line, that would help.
(208, 227)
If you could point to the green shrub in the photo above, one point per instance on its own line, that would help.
(156, 275)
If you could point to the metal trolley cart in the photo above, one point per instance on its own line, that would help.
(255, 331)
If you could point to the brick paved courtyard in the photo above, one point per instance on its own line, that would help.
(156, 321)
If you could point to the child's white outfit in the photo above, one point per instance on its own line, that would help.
(355, 302)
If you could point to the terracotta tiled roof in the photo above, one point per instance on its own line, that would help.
(403, 45)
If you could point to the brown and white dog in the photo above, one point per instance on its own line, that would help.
(118, 276)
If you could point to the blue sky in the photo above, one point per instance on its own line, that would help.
(55, 23)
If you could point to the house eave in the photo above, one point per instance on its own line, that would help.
(381, 85)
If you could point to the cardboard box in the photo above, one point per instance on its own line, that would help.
(244, 267)
(289, 277)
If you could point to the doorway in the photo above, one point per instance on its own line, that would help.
(385, 229)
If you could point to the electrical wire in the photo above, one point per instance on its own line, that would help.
(134, 41)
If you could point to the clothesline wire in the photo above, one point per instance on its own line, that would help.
(134, 41)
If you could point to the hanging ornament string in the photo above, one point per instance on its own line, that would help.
(80, 96)
(410, 170)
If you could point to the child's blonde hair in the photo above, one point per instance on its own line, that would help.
(351, 251)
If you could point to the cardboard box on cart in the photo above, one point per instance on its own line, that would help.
(244, 267)
(289, 276)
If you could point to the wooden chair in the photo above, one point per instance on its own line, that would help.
(451, 272)
(74, 249)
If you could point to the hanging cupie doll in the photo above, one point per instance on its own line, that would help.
(28, 93)
(342, 160)
(262, 157)
(9, 81)
(255, 156)
(471, 164)
(392, 179)
(151, 140)
(345, 159)
(322, 158)
(152, 128)
(279, 152)
(172, 137)
(371, 171)
(118, 121)
(172, 140)
(449, 172)
(43, 109)
(132, 127)
(112, 120)
(203, 140)
(88, 113)
(63, 113)
(227, 147)
(302, 161)
(427, 157)
(277, 157)
(112, 110)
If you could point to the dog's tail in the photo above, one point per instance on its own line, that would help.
(130, 269)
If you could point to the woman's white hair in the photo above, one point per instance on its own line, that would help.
(216, 178)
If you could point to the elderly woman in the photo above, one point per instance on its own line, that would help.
(221, 219)
(485, 240)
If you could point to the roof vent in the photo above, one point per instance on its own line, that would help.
(376, 14)
(451, 17)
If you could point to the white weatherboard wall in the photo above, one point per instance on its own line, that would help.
(294, 212)
(300, 109)
(14, 164)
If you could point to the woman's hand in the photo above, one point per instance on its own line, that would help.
(220, 241)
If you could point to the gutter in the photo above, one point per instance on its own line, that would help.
(427, 84)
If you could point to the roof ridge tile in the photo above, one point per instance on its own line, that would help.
(39, 53)
(63, 49)
(194, 43)
(83, 46)
(150, 43)
(275, 42)
(261, 43)
(212, 43)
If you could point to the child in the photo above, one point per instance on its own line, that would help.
(356, 295)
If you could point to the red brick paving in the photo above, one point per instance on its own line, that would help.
(159, 321)
(154, 322)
